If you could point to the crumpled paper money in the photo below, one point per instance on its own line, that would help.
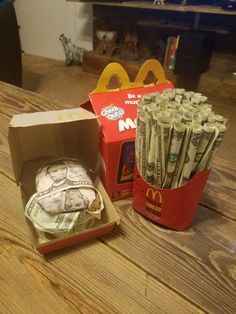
(65, 196)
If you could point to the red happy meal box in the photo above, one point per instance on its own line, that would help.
(117, 112)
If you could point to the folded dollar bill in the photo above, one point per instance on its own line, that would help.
(64, 186)
(65, 199)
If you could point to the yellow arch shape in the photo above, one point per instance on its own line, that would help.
(112, 69)
(156, 68)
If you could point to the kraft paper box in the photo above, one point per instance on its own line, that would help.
(36, 138)
(117, 112)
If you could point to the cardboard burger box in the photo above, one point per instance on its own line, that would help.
(117, 112)
(36, 138)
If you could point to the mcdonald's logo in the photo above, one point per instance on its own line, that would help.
(153, 201)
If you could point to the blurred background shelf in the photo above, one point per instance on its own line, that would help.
(207, 9)
(154, 23)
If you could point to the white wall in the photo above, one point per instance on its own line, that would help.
(42, 21)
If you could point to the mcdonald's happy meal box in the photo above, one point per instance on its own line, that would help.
(117, 112)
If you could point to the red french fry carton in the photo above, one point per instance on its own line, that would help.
(117, 111)
(173, 208)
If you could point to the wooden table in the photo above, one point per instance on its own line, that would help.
(139, 268)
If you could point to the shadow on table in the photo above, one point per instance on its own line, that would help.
(31, 80)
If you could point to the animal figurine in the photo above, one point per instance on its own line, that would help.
(73, 53)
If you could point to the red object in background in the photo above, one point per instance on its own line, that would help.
(173, 208)
(117, 113)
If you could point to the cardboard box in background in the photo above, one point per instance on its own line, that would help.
(36, 138)
(117, 112)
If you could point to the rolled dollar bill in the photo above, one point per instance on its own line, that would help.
(187, 117)
(181, 159)
(148, 123)
(206, 164)
(179, 91)
(169, 94)
(157, 177)
(219, 118)
(140, 145)
(206, 140)
(146, 99)
(178, 98)
(188, 95)
(177, 137)
(165, 124)
(190, 154)
(177, 117)
(151, 157)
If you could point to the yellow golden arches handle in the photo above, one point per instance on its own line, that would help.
(156, 68)
(112, 69)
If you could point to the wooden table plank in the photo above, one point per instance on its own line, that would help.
(219, 193)
(140, 267)
(227, 149)
(89, 278)
(199, 263)
(14, 100)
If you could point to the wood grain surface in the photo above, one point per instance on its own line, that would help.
(139, 268)
(200, 262)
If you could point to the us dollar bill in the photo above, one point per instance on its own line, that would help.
(157, 178)
(165, 125)
(151, 156)
(177, 136)
(207, 161)
(140, 146)
(148, 123)
(194, 139)
(206, 140)
(47, 222)
(181, 159)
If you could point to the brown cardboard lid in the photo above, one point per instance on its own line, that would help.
(53, 134)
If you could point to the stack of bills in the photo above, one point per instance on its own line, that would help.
(178, 135)
(66, 200)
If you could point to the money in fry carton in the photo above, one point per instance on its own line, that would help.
(117, 111)
(177, 137)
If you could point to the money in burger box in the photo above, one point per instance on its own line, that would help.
(177, 137)
(117, 112)
(54, 156)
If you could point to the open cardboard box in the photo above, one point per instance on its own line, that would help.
(36, 138)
